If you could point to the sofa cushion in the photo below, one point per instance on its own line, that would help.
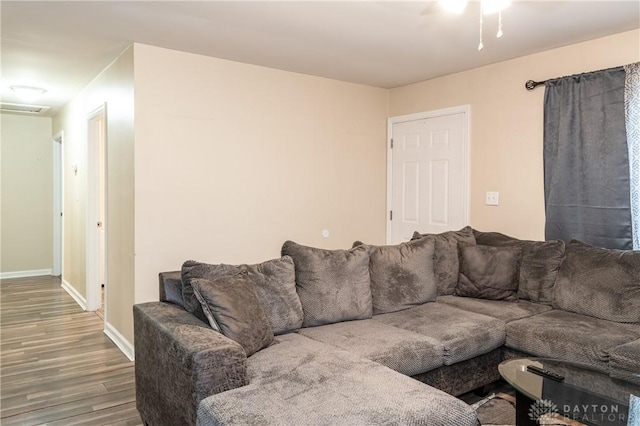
(231, 305)
(603, 283)
(402, 275)
(171, 288)
(446, 264)
(401, 350)
(504, 310)
(463, 334)
(333, 285)
(488, 272)
(299, 381)
(275, 284)
(624, 362)
(569, 336)
(539, 267)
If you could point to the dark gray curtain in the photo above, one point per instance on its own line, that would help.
(586, 164)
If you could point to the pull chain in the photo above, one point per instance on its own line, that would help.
(481, 46)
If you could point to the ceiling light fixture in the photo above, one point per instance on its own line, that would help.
(28, 93)
(487, 7)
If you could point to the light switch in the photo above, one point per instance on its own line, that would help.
(493, 198)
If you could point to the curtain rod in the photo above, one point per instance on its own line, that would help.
(530, 84)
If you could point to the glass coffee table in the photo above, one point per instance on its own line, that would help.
(581, 395)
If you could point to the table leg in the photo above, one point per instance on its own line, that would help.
(523, 403)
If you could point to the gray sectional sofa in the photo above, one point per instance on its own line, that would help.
(378, 334)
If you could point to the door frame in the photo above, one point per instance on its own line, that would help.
(466, 132)
(58, 204)
(93, 210)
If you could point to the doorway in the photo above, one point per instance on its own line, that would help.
(58, 203)
(96, 211)
(427, 173)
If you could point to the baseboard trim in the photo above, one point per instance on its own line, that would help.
(80, 300)
(24, 274)
(121, 342)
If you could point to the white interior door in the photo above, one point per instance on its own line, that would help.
(96, 202)
(102, 198)
(429, 174)
(56, 268)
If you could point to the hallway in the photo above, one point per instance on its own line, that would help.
(57, 365)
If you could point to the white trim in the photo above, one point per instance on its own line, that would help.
(121, 342)
(24, 274)
(93, 193)
(80, 300)
(466, 140)
(58, 203)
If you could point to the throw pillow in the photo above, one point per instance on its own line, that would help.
(402, 275)
(488, 272)
(232, 307)
(333, 285)
(446, 264)
(602, 283)
(540, 264)
(275, 282)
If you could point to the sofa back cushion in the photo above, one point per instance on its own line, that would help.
(275, 285)
(333, 285)
(402, 275)
(598, 282)
(540, 264)
(231, 306)
(446, 264)
(488, 272)
(171, 287)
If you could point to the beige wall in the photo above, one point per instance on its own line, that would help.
(27, 194)
(506, 121)
(234, 159)
(114, 86)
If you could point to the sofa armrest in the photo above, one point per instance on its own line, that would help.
(180, 361)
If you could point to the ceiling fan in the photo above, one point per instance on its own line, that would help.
(487, 7)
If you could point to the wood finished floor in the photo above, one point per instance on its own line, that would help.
(57, 367)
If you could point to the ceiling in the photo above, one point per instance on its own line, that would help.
(61, 46)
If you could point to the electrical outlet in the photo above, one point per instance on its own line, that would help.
(493, 198)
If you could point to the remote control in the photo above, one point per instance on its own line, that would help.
(545, 373)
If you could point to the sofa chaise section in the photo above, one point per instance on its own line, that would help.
(300, 381)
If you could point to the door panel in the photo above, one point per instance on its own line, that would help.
(428, 177)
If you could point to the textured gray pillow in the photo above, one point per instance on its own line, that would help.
(602, 283)
(231, 306)
(333, 285)
(446, 264)
(275, 282)
(540, 264)
(488, 272)
(402, 275)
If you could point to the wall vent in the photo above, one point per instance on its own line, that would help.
(22, 108)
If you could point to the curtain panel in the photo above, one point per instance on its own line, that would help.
(632, 119)
(586, 160)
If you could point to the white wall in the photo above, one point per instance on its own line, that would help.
(234, 159)
(27, 195)
(507, 123)
(113, 87)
